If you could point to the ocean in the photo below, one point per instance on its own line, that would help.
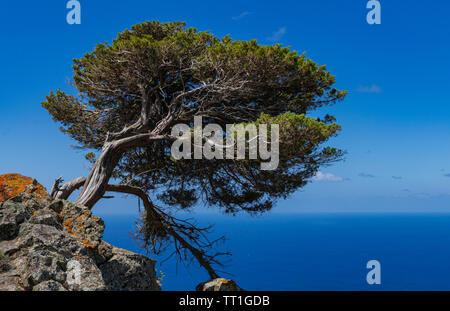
(315, 251)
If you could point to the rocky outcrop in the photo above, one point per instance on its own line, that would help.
(48, 245)
(14, 184)
(218, 285)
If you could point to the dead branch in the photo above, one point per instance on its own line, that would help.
(176, 228)
(67, 189)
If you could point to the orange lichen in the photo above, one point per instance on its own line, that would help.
(68, 226)
(87, 244)
(12, 185)
(75, 221)
(76, 228)
(68, 223)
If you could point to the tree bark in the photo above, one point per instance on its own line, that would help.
(67, 189)
(95, 186)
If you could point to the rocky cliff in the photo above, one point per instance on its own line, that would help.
(56, 245)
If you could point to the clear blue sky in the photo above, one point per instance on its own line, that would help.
(396, 119)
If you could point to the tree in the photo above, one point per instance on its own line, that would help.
(131, 93)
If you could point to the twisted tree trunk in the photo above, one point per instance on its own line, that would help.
(95, 186)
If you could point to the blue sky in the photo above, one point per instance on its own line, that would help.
(396, 118)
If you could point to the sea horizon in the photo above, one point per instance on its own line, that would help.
(315, 251)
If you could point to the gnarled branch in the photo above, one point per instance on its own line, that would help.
(169, 223)
(67, 189)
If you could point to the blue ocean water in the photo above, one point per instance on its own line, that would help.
(316, 251)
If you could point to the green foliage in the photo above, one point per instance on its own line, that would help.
(169, 69)
(160, 277)
(164, 58)
(90, 157)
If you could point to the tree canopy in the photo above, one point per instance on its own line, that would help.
(133, 91)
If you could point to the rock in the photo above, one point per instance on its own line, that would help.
(134, 270)
(218, 285)
(49, 286)
(10, 282)
(56, 245)
(8, 226)
(12, 215)
(84, 275)
(81, 224)
(46, 217)
(12, 185)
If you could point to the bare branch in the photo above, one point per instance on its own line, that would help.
(168, 222)
(67, 189)
(55, 187)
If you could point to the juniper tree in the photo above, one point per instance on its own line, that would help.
(130, 94)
